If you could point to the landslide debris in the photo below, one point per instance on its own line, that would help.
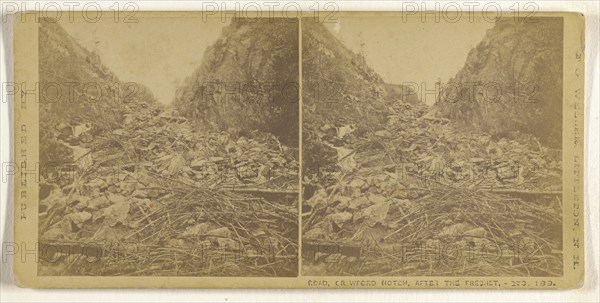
(129, 187)
(411, 191)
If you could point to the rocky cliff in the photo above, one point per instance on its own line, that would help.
(78, 93)
(339, 90)
(512, 81)
(338, 85)
(248, 80)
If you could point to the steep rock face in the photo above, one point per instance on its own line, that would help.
(248, 80)
(77, 89)
(512, 81)
(339, 89)
(338, 85)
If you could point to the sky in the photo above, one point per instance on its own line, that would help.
(161, 52)
(411, 51)
(157, 52)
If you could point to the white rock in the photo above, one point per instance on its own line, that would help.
(340, 218)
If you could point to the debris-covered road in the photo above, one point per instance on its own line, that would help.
(419, 197)
(155, 196)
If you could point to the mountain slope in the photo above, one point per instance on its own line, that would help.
(77, 89)
(516, 73)
(339, 89)
(338, 86)
(248, 80)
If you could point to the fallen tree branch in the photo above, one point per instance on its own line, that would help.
(524, 191)
(263, 191)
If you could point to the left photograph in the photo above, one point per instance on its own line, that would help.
(169, 147)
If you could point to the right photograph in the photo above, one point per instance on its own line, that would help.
(430, 147)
